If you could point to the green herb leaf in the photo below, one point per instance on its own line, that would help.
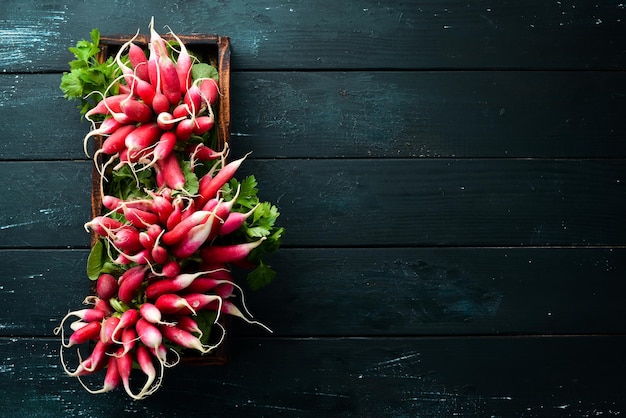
(95, 261)
(192, 184)
(87, 74)
(261, 276)
(204, 70)
(205, 320)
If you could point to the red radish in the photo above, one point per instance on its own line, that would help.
(228, 253)
(130, 282)
(194, 239)
(126, 239)
(77, 325)
(172, 171)
(203, 124)
(171, 303)
(127, 320)
(210, 187)
(98, 357)
(142, 257)
(221, 213)
(107, 127)
(142, 137)
(235, 220)
(167, 121)
(157, 44)
(182, 111)
(128, 73)
(125, 365)
(146, 240)
(150, 313)
(188, 324)
(148, 333)
(184, 129)
(95, 362)
(171, 269)
(199, 301)
(112, 378)
(162, 206)
(107, 329)
(145, 91)
(115, 142)
(183, 65)
(160, 103)
(140, 218)
(103, 305)
(188, 210)
(174, 285)
(137, 111)
(164, 146)
(176, 216)
(209, 90)
(193, 100)
(123, 89)
(144, 359)
(91, 331)
(203, 153)
(106, 286)
(103, 225)
(184, 339)
(222, 288)
(211, 204)
(170, 86)
(117, 205)
(88, 315)
(154, 231)
(107, 105)
(139, 61)
(178, 232)
(129, 339)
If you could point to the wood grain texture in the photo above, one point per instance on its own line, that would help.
(44, 204)
(451, 178)
(326, 34)
(377, 292)
(513, 114)
(367, 203)
(346, 377)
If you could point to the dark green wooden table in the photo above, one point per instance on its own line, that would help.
(451, 175)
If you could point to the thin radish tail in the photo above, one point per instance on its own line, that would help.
(104, 389)
(64, 365)
(153, 385)
(101, 170)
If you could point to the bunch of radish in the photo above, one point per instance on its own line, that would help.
(164, 254)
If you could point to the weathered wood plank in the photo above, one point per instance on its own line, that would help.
(39, 287)
(372, 292)
(328, 34)
(367, 114)
(430, 114)
(405, 202)
(442, 291)
(446, 202)
(44, 203)
(558, 376)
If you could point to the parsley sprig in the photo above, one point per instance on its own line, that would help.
(87, 75)
(260, 224)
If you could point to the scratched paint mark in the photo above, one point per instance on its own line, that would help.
(404, 366)
(22, 39)
(443, 293)
(18, 224)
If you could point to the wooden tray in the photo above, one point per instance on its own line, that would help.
(211, 49)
